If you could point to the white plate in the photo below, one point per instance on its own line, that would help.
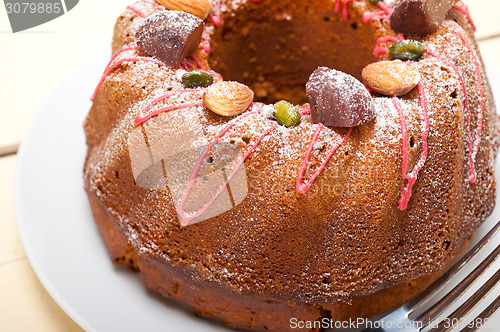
(60, 237)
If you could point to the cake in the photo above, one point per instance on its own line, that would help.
(270, 162)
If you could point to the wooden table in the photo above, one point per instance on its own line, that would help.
(32, 63)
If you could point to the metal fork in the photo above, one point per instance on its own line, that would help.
(406, 317)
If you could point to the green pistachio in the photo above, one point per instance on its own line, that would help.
(286, 114)
(406, 50)
(197, 79)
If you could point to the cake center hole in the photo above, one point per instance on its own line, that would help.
(274, 50)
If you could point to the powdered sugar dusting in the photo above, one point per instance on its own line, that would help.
(365, 168)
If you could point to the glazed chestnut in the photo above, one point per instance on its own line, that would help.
(338, 99)
(419, 17)
(170, 36)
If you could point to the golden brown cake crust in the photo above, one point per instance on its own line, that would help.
(210, 299)
(341, 250)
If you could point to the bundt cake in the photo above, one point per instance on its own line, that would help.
(276, 161)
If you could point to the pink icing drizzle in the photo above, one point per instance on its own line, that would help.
(466, 12)
(479, 85)
(143, 117)
(198, 62)
(186, 65)
(385, 8)
(131, 48)
(217, 17)
(187, 217)
(411, 177)
(305, 111)
(205, 43)
(137, 11)
(303, 187)
(367, 17)
(472, 171)
(382, 49)
(337, 6)
(203, 67)
(385, 13)
(205, 48)
(154, 3)
(110, 67)
(140, 12)
(345, 10)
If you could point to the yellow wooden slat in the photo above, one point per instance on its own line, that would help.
(10, 244)
(26, 305)
(485, 15)
(490, 50)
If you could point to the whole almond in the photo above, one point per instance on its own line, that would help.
(391, 78)
(199, 8)
(228, 98)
